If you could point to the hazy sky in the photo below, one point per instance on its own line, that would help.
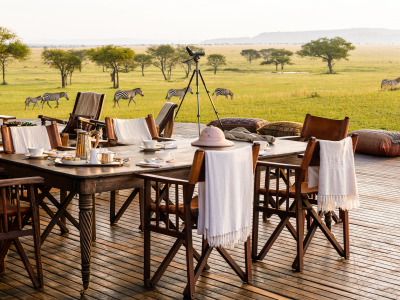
(188, 20)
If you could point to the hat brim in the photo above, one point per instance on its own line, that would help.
(224, 143)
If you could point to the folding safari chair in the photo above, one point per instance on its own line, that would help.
(13, 219)
(88, 105)
(165, 119)
(58, 217)
(188, 211)
(295, 199)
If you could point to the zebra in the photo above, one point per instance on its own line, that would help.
(34, 101)
(53, 97)
(177, 93)
(389, 83)
(127, 95)
(224, 92)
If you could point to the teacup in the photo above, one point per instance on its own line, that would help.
(165, 155)
(35, 151)
(150, 143)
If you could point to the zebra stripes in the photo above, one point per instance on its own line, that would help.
(35, 101)
(127, 95)
(223, 92)
(389, 83)
(177, 93)
(53, 97)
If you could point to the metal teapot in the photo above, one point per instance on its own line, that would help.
(83, 143)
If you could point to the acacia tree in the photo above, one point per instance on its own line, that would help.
(216, 60)
(59, 59)
(279, 57)
(112, 57)
(266, 53)
(185, 55)
(162, 55)
(250, 54)
(143, 60)
(11, 48)
(81, 54)
(328, 49)
(73, 62)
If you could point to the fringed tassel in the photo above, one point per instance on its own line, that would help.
(228, 240)
(331, 202)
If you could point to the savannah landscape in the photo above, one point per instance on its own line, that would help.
(354, 90)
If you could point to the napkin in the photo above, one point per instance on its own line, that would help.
(265, 153)
(155, 165)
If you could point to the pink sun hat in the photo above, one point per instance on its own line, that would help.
(212, 137)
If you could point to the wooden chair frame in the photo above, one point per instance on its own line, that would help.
(184, 236)
(13, 220)
(323, 129)
(78, 97)
(166, 126)
(62, 214)
(303, 200)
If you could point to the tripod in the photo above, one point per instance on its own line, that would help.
(196, 59)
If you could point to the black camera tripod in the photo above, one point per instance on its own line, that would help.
(196, 59)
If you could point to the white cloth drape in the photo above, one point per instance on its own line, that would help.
(336, 176)
(225, 198)
(131, 131)
(29, 136)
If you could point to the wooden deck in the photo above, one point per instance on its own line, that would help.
(372, 272)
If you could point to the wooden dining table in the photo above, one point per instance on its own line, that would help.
(86, 181)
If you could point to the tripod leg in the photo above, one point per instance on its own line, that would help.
(184, 95)
(198, 100)
(212, 103)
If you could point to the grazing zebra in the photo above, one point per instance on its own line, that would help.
(389, 83)
(53, 97)
(34, 101)
(127, 95)
(177, 93)
(223, 92)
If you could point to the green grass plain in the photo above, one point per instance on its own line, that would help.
(354, 91)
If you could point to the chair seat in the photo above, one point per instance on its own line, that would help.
(12, 210)
(282, 193)
(194, 207)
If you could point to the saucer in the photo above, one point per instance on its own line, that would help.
(36, 156)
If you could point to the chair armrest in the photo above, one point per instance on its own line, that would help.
(162, 179)
(44, 118)
(19, 181)
(277, 165)
(289, 138)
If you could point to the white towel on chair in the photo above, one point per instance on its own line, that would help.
(132, 131)
(29, 136)
(336, 179)
(225, 198)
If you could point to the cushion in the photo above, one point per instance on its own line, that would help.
(72, 124)
(378, 142)
(251, 124)
(282, 128)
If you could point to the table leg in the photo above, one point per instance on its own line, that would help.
(63, 195)
(94, 218)
(85, 221)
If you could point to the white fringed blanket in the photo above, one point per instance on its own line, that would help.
(131, 131)
(225, 198)
(336, 176)
(29, 136)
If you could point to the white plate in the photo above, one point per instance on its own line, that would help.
(36, 156)
(71, 162)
